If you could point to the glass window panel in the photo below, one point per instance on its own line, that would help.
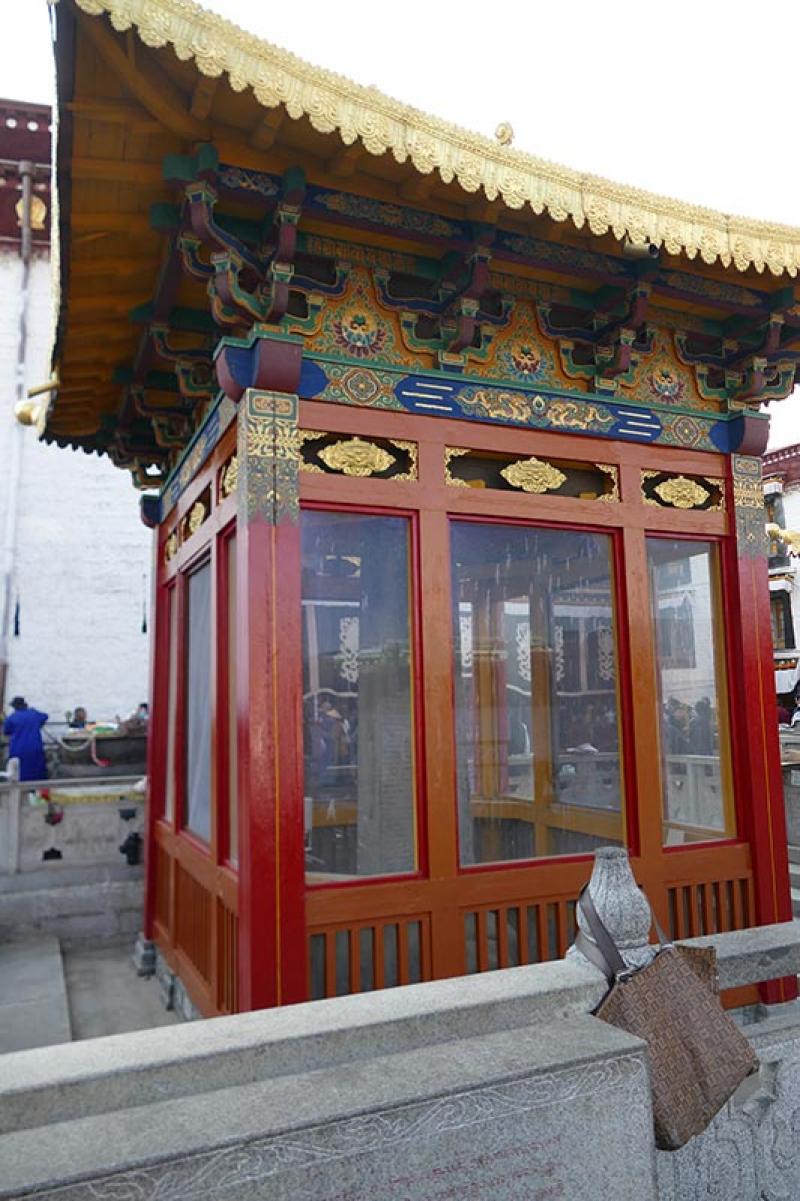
(537, 730)
(357, 707)
(233, 825)
(198, 702)
(695, 756)
(172, 704)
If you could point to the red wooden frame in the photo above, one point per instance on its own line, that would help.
(707, 885)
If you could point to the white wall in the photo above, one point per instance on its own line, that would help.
(83, 562)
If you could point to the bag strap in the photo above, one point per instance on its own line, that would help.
(605, 948)
(604, 952)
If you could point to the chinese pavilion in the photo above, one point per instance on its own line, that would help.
(451, 457)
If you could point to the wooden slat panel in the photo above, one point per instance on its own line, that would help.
(502, 938)
(522, 933)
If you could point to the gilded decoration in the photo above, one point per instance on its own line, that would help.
(521, 354)
(230, 477)
(450, 453)
(533, 475)
(661, 378)
(575, 415)
(171, 547)
(682, 492)
(409, 448)
(357, 327)
(748, 500)
(268, 454)
(613, 475)
(356, 457)
(334, 105)
(197, 515)
(304, 436)
(412, 451)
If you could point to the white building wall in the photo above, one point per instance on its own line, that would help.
(83, 555)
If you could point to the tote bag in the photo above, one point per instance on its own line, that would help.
(698, 1055)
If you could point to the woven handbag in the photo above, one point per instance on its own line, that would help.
(698, 1055)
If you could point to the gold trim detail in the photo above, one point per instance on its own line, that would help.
(304, 436)
(335, 105)
(171, 547)
(411, 450)
(613, 474)
(450, 453)
(533, 475)
(197, 515)
(230, 477)
(356, 457)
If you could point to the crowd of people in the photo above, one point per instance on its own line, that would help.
(689, 729)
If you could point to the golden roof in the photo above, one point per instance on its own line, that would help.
(332, 104)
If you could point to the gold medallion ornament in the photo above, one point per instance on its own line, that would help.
(682, 493)
(533, 475)
(197, 515)
(171, 547)
(356, 457)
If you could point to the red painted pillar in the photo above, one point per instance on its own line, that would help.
(158, 728)
(757, 761)
(272, 955)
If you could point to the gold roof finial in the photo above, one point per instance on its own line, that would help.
(504, 133)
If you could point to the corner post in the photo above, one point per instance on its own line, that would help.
(272, 958)
(758, 764)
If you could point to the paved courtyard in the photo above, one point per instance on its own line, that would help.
(51, 994)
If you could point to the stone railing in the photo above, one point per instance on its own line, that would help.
(61, 864)
(497, 1086)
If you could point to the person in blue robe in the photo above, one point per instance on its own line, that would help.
(24, 728)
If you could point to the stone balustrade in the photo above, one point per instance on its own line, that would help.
(497, 1086)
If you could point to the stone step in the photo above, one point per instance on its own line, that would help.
(796, 902)
(34, 1011)
(794, 854)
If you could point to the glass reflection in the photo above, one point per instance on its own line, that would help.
(357, 712)
(537, 732)
(698, 801)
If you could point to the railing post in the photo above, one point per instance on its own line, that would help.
(13, 822)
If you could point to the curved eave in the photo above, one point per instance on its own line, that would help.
(382, 125)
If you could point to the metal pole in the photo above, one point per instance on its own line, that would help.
(10, 529)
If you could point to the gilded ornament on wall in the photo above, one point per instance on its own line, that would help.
(450, 453)
(230, 477)
(533, 475)
(171, 547)
(682, 493)
(613, 475)
(197, 515)
(356, 457)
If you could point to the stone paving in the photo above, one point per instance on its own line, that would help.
(50, 995)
